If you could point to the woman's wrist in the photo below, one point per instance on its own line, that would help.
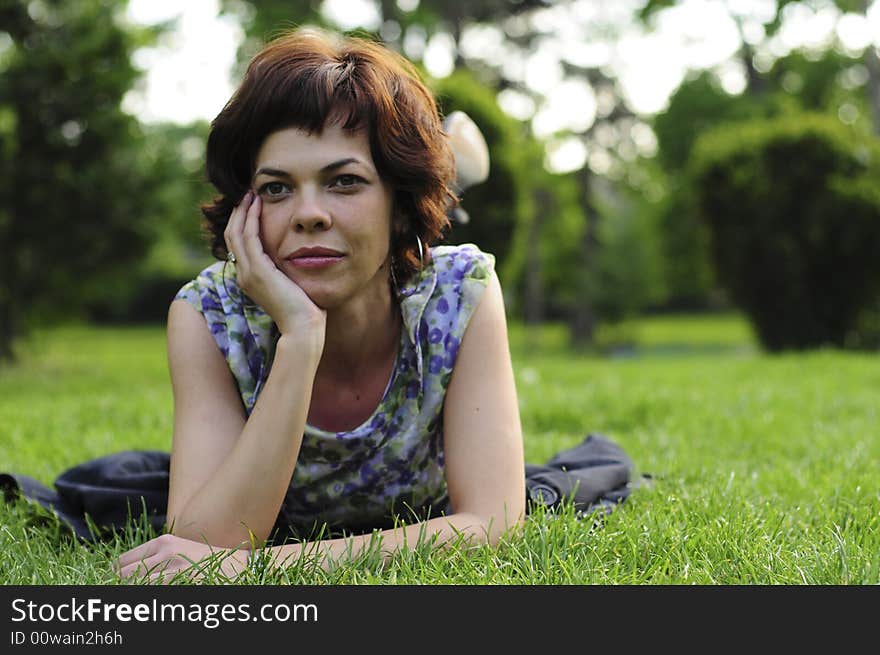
(309, 346)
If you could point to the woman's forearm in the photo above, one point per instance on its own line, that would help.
(244, 494)
(465, 528)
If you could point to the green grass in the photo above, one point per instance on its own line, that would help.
(765, 469)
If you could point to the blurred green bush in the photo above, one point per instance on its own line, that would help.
(792, 205)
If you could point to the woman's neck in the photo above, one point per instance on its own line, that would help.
(360, 336)
(360, 351)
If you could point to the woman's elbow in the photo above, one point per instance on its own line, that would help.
(219, 536)
(496, 524)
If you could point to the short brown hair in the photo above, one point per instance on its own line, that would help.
(307, 76)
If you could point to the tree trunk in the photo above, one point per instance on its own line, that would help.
(582, 325)
(7, 332)
(755, 84)
(533, 310)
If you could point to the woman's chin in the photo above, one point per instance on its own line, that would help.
(323, 298)
(335, 293)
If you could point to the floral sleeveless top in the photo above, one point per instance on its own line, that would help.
(392, 464)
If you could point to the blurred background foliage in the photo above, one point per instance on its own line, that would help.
(764, 200)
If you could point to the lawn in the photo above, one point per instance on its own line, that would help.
(764, 469)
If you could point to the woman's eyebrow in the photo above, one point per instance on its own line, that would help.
(340, 163)
(273, 172)
(276, 172)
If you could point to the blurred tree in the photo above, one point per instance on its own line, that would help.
(750, 46)
(263, 19)
(178, 151)
(173, 156)
(793, 208)
(544, 243)
(830, 82)
(75, 199)
(697, 105)
(629, 267)
(825, 81)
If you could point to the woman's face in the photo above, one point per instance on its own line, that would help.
(326, 217)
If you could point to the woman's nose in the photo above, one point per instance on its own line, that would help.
(309, 214)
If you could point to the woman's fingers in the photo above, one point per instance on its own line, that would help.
(251, 223)
(136, 554)
(161, 567)
(252, 244)
(243, 238)
(153, 554)
(165, 557)
(148, 566)
(234, 227)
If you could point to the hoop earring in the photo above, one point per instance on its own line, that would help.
(421, 251)
(394, 284)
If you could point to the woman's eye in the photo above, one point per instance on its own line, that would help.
(271, 189)
(345, 181)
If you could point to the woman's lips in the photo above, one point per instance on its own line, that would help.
(314, 261)
(314, 257)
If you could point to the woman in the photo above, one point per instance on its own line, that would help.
(333, 368)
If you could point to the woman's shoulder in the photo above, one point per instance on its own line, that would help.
(462, 262)
(209, 277)
(453, 286)
(209, 287)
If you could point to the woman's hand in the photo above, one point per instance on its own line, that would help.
(258, 276)
(162, 558)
